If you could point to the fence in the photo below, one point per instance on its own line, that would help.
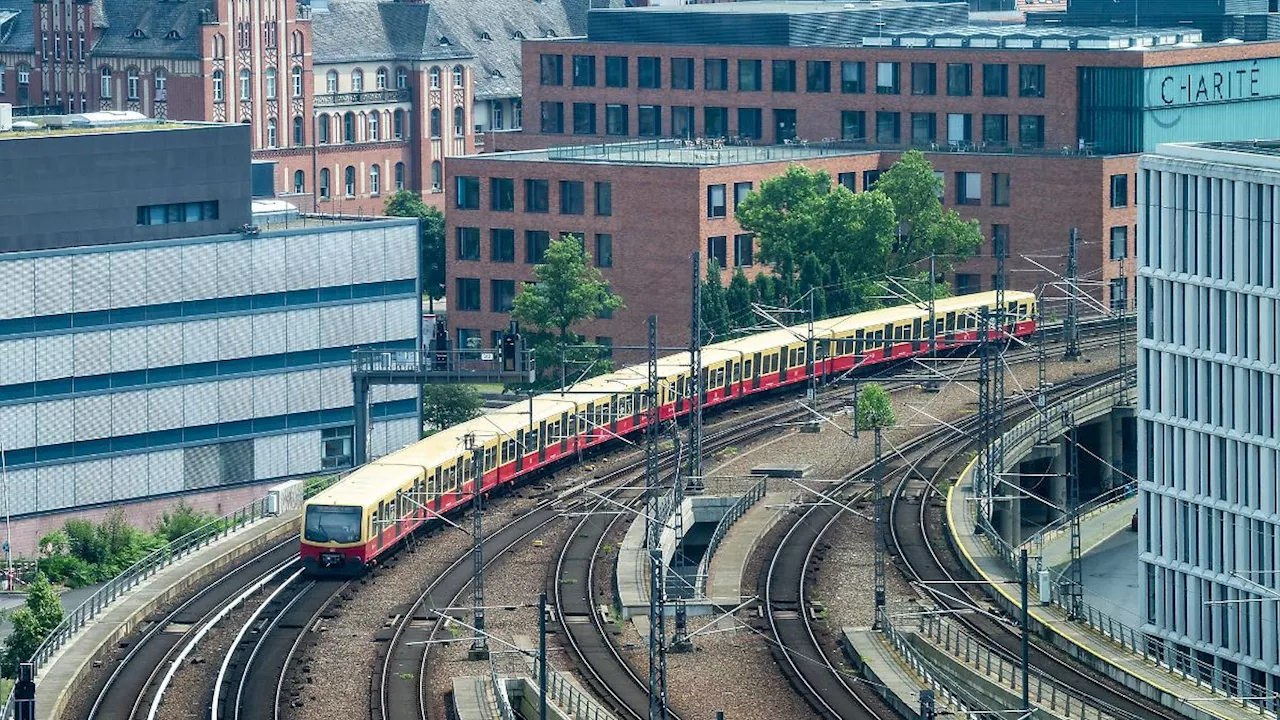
(1035, 543)
(926, 670)
(731, 516)
(571, 700)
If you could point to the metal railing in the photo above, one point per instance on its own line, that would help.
(499, 686)
(926, 670)
(465, 365)
(731, 516)
(1035, 544)
(572, 701)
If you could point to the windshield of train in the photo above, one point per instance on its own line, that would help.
(333, 523)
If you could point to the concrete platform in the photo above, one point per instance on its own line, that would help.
(1095, 530)
(1079, 640)
(876, 661)
(632, 572)
(724, 577)
(56, 678)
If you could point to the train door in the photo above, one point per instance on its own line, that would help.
(888, 340)
(435, 491)
(753, 369)
(916, 334)
(377, 521)
(564, 431)
(542, 441)
(520, 450)
(859, 347)
(590, 417)
(782, 364)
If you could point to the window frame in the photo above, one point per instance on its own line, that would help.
(959, 79)
(752, 81)
(819, 81)
(720, 209)
(855, 86)
(1031, 80)
(720, 75)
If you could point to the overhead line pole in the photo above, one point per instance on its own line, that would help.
(480, 644)
(657, 670)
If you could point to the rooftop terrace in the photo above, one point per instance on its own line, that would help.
(68, 125)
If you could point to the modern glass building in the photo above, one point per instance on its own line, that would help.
(1209, 393)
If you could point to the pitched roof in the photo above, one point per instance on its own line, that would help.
(17, 27)
(149, 28)
(359, 30)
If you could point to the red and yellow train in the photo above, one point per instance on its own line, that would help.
(351, 524)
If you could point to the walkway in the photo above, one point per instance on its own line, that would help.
(1095, 530)
(724, 577)
(64, 668)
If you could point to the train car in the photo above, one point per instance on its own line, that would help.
(350, 525)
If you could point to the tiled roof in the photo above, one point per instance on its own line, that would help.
(149, 28)
(360, 30)
(17, 29)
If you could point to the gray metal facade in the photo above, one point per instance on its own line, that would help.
(84, 188)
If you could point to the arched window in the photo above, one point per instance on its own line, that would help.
(381, 79)
(246, 85)
(435, 175)
(131, 83)
(349, 181)
(219, 47)
(299, 181)
(297, 130)
(295, 76)
(402, 78)
(357, 80)
(459, 121)
(373, 126)
(271, 83)
(162, 82)
(217, 86)
(435, 78)
(375, 180)
(105, 89)
(349, 128)
(435, 122)
(322, 129)
(331, 82)
(457, 76)
(397, 124)
(272, 136)
(399, 176)
(295, 43)
(324, 183)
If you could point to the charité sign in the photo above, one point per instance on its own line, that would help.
(1212, 83)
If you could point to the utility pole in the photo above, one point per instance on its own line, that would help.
(652, 534)
(480, 644)
(1123, 310)
(1026, 642)
(931, 385)
(811, 347)
(1042, 361)
(1070, 327)
(1075, 593)
(928, 711)
(855, 408)
(693, 476)
(877, 478)
(996, 470)
(982, 489)
(542, 656)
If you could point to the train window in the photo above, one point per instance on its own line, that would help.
(857, 343)
(951, 321)
(746, 368)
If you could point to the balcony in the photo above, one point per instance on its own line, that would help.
(372, 97)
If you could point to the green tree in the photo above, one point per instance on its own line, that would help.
(449, 404)
(183, 519)
(406, 203)
(875, 408)
(763, 291)
(715, 306)
(811, 283)
(924, 227)
(566, 292)
(31, 625)
(738, 300)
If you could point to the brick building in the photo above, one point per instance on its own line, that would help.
(890, 76)
(643, 207)
(352, 98)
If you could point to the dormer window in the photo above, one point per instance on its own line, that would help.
(550, 32)
(444, 41)
(517, 35)
(485, 36)
(173, 35)
(495, 73)
(137, 34)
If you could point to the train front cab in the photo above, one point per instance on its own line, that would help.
(333, 540)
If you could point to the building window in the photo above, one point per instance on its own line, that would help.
(380, 79)
(2, 69)
(349, 181)
(999, 240)
(402, 79)
(397, 124)
(715, 122)
(784, 125)
(715, 201)
(468, 293)
(924, 128)
(715, 74)
(349, 127)
(502, 245)
(1000, 189)
(502, 294)
(272, 89)
(784, 75)
(959, 79)
(437, 177)
(218, 92)
(584, 70)
(817, 76)
(468, 189)
(295, 81)
(324, 183)
(459, 121)
(375, 132)
(434, 78)
(751, 123)
(853, 77)
(1119, 242)
(1030, 81)
(299, 182)
(717, 250)
(1031, 130)
(433, 125)
(968, 283)
(573, 197)
(615, 120)
(335, 447)
(1119, 191)
(468, 243)
(552, 117)
(177, 213)
(457, 76)
(887, 78)
(604, 250)
(924, 79)
(272, 135)
(537, 196)
(959, 128)
(744, 250)
(399, 176)
(161, 82)
(357, 81)
(322, 129)
(995, 80)
(682, 121)
(1119, 294)
(869, 178)
(331, 82)
(649, 72)
(469, 338)
(750, 75)
(888, 128)
(681, 73)
(604, 199)
(131, 83)
(502, 194)
(995, 129)
(849, 180)
(649, 120)
(740, 192)
(551, 69)
(968, 188)
(853, 125)
(615, 71)
(104, 88)
(535, 245)
(496, 123)
(375, 180)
